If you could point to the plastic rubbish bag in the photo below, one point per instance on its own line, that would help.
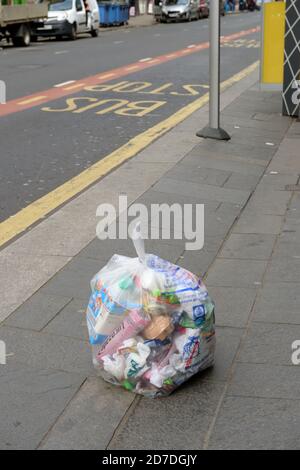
(151, 323)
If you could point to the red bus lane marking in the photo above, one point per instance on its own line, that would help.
(42, 97)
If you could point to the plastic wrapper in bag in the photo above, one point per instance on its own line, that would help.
(151, 324)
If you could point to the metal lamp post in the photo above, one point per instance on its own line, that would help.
(213, 130)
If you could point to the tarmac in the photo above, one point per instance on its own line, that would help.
(51, 397)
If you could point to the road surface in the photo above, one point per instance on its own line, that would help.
(70, 104)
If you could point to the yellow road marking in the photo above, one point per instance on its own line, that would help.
(133, 67)
(73, 87)
(32, 100)
(31, 214)
(107, 75)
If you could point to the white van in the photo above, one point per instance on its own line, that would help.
(69, 18)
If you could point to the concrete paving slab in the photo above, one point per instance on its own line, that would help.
(286, 249)
(163, 248)
(219, 223)
(242, 182)
(246, 423)
(171, 423)
(28, 272)
(167, 151)
(209, 159)
(294, 130)
(252, 222)
(283, 269)
(259, 141)
(294, 207)
(228, 341)
(59, 234)
(233, 305)
(205, 191)
(268, 343)
(278, 303)
(90, 419)
(276, 181)
(249, 123)
(156, 197)
(37, 311)
(214, 243)
(274, 117)
(31, 401)
(291, 230)
(197, 262)
(47, 351)
(70, 321)
(243, 150)
(248, 246)
(144, 172)
(269, 202)
(74, 279)
(246, 132)
(236, 273)
(227, 210)
(199, 175)
(286, 159)
(265, 381)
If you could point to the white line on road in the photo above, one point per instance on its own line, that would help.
(61, 52)
(64, 84)
(146, 59)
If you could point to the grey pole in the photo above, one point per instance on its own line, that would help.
(213, 130)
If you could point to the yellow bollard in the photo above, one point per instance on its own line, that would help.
(272, 45)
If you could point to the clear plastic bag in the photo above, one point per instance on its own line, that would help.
(151, 323)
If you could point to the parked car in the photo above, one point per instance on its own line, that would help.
(203, 9)
(174, 10)
(68, 18)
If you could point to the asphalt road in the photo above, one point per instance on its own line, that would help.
(46, 145)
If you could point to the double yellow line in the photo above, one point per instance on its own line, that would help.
(31, 214)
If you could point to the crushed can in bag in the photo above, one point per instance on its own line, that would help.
(151, 324)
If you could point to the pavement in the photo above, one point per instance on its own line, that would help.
(50, 395)
(134, 22)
